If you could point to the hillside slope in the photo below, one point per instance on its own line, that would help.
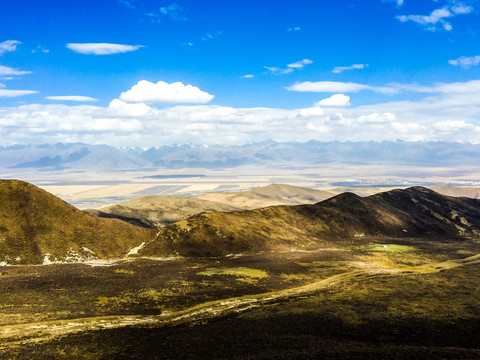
(35, 225)
(414, 212)
(157, 211)
(274, 194)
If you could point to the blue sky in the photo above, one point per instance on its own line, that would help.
(102, 71)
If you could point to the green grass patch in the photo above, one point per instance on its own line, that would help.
(237, 271)
(386, 248)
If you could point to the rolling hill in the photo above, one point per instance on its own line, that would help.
(274, 194)
(36, 226)
(414, 212)
(157, 211)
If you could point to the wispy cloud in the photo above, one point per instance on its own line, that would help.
(164, 93)
(128, 4)
(465, 62)
(296, 28)
(340, 69)
(290, 67)
(16, 93)
(398, 2)
(70, 98)
(173, 12)
(9, 71)
(102, 48)
(437, 17)
(210, 36)
(300, 64)
(8, 46)
(339, 87)
(248, 76)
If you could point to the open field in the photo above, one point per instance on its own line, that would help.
(365, 299)
(93, 189)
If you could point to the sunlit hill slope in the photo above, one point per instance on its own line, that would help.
(35, 224)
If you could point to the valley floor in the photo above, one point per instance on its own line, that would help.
(372, 298)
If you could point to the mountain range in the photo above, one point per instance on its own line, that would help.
(81, 156)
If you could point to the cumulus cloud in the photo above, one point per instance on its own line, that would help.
(101, 48)
(8, 46)
(70, 98)
(449, 111)
(337, 100)
(8, 71)
(340, 69)
(437, 17)
(120, 108)
(465, 62)
(164, 93)
(338, 87)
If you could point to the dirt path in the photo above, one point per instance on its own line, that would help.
(17, 335)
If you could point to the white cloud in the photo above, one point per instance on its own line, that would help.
(102, 48)
(248, 76)
(337, 100)
(449, 126)
(120, 108)
(465, 62)
(399, 2)
(173, 11)
(8, 46)
(438, 16)
(277, 70)
(377, 118)
(300, 64)
(16, 93)
(70, 98)
(449, 111)
(163, 93)
(313, 111)
(290, 67)
(338, 87)
(340, 69)
(8, 71)
(296, 28)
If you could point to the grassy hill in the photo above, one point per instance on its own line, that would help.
(34, 224)
(157, 211)
(274, 194)
(414, 212)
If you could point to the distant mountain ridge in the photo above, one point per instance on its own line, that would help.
(268, 153)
